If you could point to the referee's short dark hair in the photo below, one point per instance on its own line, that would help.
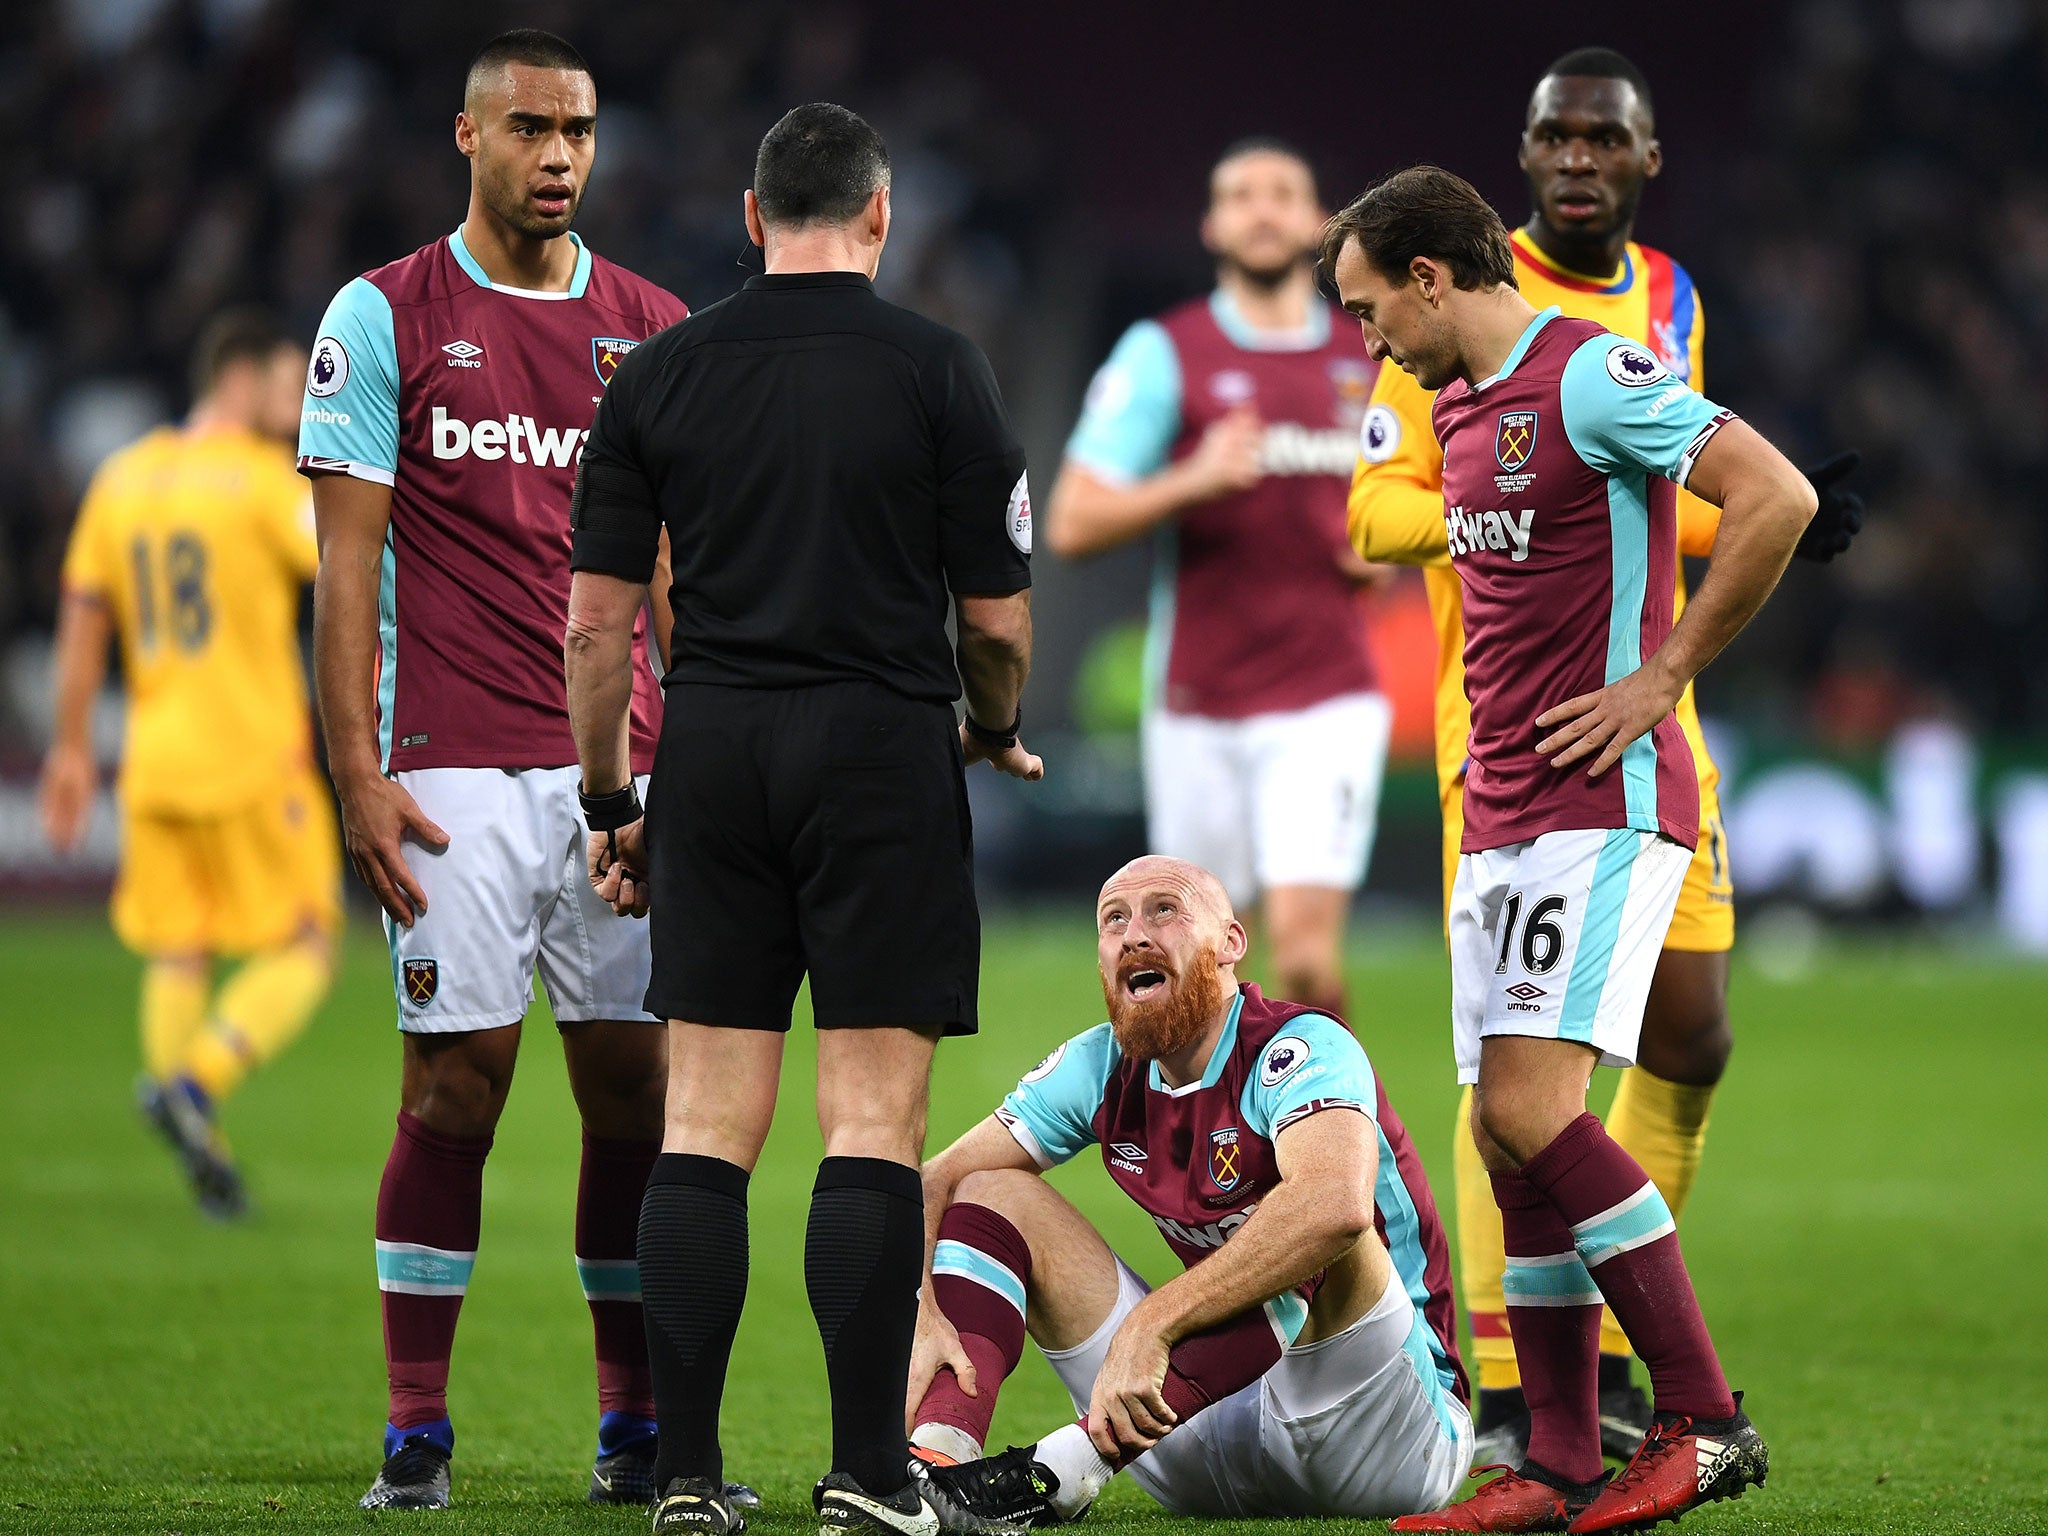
(1425, 211)
(819, 165)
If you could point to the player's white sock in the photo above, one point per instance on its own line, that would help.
(1072, 1458)
(947, 1440)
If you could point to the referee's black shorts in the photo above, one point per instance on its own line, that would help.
(821, 830)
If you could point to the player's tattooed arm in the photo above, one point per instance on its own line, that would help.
(1765, 505)
(351, 517)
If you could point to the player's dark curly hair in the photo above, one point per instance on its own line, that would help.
(819, 165)
(1424, 211)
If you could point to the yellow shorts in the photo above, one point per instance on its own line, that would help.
(234, 883)
(1705, 918)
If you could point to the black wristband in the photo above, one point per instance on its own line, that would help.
(996, 741)
(609, 812)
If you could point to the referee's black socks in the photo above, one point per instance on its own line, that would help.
(863, 1261)
(693, 1283)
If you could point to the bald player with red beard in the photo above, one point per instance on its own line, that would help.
(1317, 1282)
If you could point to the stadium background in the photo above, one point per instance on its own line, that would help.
(1858, 191)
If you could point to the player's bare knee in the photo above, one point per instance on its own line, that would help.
(456, 1084)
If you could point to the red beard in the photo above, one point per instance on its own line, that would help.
(1160, 1026)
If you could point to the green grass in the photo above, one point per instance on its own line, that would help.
(1868, 1236)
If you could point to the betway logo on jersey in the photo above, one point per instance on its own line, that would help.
(518, 436)
(1289, 448)
(1472, 532)
(1209, 1235)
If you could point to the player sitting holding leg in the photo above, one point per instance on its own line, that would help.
(1305, 1364)
(1564, 448)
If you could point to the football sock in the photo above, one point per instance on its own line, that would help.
(1480, 1256)
(429, 1212)
(173, 1011)
(1205, 1368)
(1663, 1126)
(1629, 1244)
(263, 1008)
(1553, 1310)
(693, 1283)
(610, 1187)
(863, 1259)
(1077, 1465)
(981, 1270)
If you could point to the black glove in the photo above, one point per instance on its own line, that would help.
(1839, 518)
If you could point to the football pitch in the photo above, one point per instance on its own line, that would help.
(1869, 1237)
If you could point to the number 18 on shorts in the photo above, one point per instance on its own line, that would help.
(1557, 937)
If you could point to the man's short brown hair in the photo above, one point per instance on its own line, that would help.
(242, 334)
(1424, 211)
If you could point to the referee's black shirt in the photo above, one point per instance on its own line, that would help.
(829, 466)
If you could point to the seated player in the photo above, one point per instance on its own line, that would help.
(1305, 1363)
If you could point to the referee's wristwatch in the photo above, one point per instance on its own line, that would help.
(611, 811)
(995, 741)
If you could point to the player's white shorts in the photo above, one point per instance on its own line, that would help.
(1281, 799)
(508, 891)
(1356, 1424)
(1558, 937)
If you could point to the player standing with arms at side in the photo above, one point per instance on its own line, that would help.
(192, 546)
(1564, 447)
(447, 401)
(1228, 426)
(1588, 149)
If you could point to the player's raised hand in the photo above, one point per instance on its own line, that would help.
(1226, 461)
(936, 1348)
(617, 862)
(377, 815)
(65, 796)
(1605, 722)
(1127, 1411)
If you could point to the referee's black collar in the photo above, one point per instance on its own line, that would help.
(772, 281)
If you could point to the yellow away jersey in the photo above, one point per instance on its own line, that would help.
(199, 542)
(1396, 510)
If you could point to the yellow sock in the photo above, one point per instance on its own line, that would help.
(261, 1010)
(173, 1009)
(1482, 1258)
(1663, 1126)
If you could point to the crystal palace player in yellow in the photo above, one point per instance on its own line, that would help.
(1588, 147)
(192, 546)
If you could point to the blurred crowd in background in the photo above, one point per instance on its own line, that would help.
(1866, 215)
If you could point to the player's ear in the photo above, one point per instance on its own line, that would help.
(1235, 943)
(1653, 158)
(466, 133)
(1424, 273)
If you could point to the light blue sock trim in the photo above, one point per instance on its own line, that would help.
(414, 1269)
(1640, 1219)
(957, 1259)
(609, 1279)
(1554, 1280)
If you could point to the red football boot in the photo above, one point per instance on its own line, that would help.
(1681, 1464)
(1527, 1500)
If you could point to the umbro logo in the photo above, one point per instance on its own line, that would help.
(1527, 991)
(463, 354)
(1129, 1150)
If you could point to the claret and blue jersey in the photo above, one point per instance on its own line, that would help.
(1199, 1158)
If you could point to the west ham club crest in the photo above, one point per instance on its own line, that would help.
(1516, 439)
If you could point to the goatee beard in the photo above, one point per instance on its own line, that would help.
(1161, 1026)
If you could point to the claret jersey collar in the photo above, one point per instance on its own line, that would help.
(1521, 347)
(578, 280)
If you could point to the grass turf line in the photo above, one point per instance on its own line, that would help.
(1867, 1237)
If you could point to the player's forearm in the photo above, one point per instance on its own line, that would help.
(1296, 1232)
(1088, 516)
(597, 665)
(994, 655)
(84, 628)
(344, 662)
(1395, 520)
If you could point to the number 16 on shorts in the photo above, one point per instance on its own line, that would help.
(1557, 937)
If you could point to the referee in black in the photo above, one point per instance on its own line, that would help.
(833, 473)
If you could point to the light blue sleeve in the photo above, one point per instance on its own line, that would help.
(1625, 412)
(1052, 1111)
(1314, 1063)
(1132, 414)
(349, 424)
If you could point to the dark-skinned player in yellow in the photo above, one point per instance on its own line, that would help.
(1588, 148)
